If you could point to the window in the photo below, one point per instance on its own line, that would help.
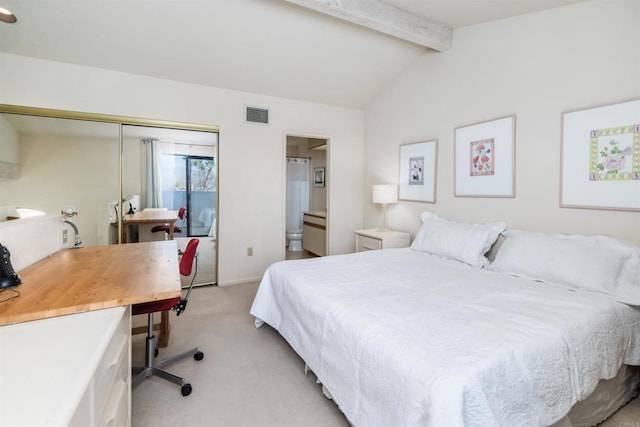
(189, 181)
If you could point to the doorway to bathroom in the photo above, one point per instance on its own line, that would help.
(307, 176)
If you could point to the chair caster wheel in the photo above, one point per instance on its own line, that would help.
(198, 356)
(186, 390)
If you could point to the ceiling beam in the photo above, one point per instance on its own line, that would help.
(382, 17)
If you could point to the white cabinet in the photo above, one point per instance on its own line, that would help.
(314, 233)
(372, 239)
(106, 399)
(75, 369)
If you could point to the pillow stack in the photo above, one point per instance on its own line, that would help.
(593, 263)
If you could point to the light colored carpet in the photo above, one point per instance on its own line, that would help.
(248, 377)
(627, 416)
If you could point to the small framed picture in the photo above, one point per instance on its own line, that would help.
(318, 177)
(418, 171)
(601, 157)
(484, 159)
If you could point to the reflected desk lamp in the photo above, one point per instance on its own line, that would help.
(384, 194)
(68, 212)
(129, 198)
(126, 199)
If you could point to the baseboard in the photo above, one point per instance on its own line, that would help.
(239, 281)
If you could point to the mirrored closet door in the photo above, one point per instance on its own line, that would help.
(64, 164)
(104, 167)
(173, 170)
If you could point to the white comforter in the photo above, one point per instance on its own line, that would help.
(403, 338)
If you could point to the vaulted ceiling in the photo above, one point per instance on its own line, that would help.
(272, 47)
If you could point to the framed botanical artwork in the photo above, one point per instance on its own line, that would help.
(600, 157)
(484, 159)
(318, 177)
(418, 164)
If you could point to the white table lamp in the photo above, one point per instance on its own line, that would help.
(384, 194)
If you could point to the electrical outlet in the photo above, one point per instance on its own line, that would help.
(65, 236)
(250, 251)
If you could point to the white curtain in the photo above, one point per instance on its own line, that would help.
(297, 191)
(170, 176)
(154, 177)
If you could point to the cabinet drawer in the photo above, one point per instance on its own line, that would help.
(314, 221)
(314, 240)
(114, 365)
(116, 410)
(368, 244)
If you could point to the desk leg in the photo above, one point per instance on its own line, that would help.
(165, 329)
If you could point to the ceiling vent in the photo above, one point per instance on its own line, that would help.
(258, 115)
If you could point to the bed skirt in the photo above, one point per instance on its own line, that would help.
(609, 396)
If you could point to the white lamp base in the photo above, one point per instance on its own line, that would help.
(384, 208)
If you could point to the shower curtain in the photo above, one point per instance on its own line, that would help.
(297, 191)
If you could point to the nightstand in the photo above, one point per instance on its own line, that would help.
(372, 239)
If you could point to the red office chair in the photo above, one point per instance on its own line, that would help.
(176, 228)
(151, 367)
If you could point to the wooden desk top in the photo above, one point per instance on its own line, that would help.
(92, 278)
(151, 216)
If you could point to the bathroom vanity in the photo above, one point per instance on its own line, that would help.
(314, 232)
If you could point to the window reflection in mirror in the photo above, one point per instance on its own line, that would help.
(173, 170)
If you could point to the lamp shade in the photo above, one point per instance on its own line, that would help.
(385, 193)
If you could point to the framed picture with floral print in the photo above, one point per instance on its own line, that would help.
(484, 159)
(418, 163)
(600, 157)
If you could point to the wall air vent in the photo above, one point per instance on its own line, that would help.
(258, 115)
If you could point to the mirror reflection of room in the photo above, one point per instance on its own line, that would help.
(169, 188)
(70, 168)
(61, 165)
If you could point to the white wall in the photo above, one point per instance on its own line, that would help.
(252, 167)
(31, 239)
(8, 151)
(536, 66)
(8, 142)
(60, 171)
(318, 195)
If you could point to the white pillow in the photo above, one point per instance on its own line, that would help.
(628, 289)
(595, 262)
(460, 241)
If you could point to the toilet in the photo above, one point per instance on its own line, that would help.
(294, 239)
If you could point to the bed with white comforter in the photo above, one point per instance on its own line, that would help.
(402, 337)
